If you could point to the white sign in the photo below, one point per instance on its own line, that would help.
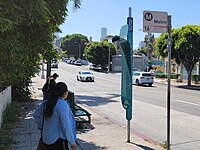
(155, 21)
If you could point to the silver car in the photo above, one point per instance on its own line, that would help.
(85, 76)
(140, 78)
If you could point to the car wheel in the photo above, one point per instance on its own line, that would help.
(150, 84)
(137, 82)
(77, 78)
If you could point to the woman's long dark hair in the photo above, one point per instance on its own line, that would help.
(57, 91)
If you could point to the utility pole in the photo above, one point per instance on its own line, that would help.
(169, 81)
(108, 59)
(42, 76)
(79, 50)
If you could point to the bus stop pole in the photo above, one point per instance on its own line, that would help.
(130, 40)
(128, 131)
(169, 81)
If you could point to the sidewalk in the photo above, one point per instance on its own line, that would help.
(179, 84)
(101, 134)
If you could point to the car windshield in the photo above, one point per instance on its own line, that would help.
(86, 73)
(136, 74)
(135, 69)
(146, 74)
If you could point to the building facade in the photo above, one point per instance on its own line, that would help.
(103, 33)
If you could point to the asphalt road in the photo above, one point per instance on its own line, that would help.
(149, 106)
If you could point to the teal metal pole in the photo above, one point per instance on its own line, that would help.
(130, 41)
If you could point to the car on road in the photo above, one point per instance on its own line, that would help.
(54, 63)
(140, 78)
(85, 76)
(95, 67)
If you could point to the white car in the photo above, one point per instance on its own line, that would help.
(140, 78)
(54, 65)
(85, 76)
(95, 67)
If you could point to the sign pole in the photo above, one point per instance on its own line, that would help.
(126, 32)
(169, 81)
(130, 40)
(160, 22)
(42, 76)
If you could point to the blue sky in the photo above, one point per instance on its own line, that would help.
(112, 14)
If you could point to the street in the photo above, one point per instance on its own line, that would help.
(149, 106)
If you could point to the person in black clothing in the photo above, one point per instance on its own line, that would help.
(48, 85)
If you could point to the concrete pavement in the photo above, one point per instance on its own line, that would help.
(102, 133)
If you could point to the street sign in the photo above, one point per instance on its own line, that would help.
(124, 31)
(130, 24)
(155, 21)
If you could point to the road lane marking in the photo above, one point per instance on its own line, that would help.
(187, 102)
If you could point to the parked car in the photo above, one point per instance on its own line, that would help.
(72, 62)
(85, 76)
(140, 78)
(78, 63)
(69, 61)
(54, 63)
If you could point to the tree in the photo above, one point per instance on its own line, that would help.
(149, 41)
(26, 31)
(148, 50)
(97, 52)
(58, 12)
(185, 47)
(149, 47)
(73, 43)
(140, 51)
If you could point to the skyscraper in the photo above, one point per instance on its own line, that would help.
(141, 44)
(103, 33)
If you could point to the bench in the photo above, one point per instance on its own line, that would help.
(81, 115)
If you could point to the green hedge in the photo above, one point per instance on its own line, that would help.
(163, 75)
(10, 115)
(195, 77)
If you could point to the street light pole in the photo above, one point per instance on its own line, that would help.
(42, 76)
(79, 50)
(108, 59)
(107, 38)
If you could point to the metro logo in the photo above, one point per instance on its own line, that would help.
(148, 16)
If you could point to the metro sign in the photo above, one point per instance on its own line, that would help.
(155, 21)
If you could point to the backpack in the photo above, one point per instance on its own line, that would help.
(45, 87)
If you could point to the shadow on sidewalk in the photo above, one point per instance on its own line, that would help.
(96, 100)
(85, 127)
(142, 146)
(88, 145)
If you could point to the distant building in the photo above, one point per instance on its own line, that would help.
(90, 39)
(103, 33)
(55, 41)
(141, 44)
(138, 62)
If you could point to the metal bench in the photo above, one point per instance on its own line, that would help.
(81, 115)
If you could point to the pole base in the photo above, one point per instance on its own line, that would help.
(42, 77)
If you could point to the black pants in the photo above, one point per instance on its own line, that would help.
(60, 144)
